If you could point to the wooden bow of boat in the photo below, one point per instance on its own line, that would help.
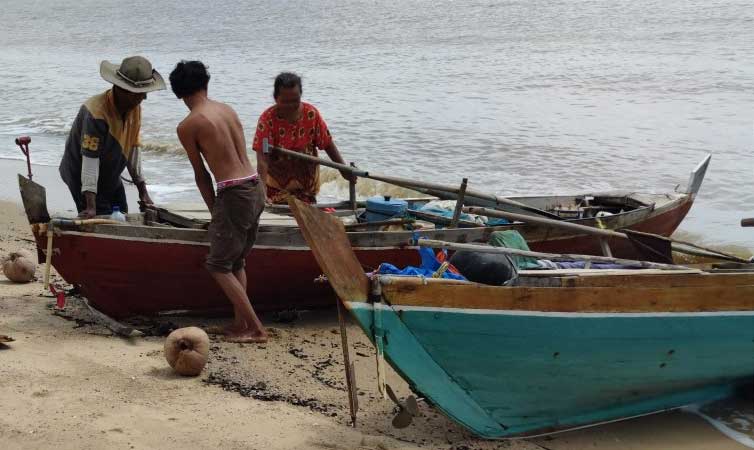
(561, 349)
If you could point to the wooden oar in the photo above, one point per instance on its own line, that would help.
(443, 191)
(676, 246)
(327, 238)
(747, 222)
(481, 248)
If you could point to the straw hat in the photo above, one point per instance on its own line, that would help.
(134, 74)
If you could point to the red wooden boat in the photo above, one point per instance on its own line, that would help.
(146, 267)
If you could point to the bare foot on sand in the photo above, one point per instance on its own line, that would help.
(219, 329)
(247, 337)
(233, 328)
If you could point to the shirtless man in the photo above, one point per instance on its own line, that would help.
(212, 130)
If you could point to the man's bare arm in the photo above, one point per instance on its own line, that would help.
(334, 154)
(203, 179)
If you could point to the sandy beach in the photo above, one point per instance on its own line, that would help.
(68, 382)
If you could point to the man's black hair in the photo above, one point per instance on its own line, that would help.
(188, 77)
(287, 80)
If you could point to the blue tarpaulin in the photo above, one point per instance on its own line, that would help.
(429, 266)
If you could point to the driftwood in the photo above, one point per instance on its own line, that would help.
(112, 324)
(551, 256)
(676, 245)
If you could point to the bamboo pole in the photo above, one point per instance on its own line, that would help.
(81, 222)
(431, 243)
(676, 246)
(443, 191)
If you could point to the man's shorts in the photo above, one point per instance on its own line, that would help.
(233, 230)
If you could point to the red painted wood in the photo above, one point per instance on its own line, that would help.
(124, 277)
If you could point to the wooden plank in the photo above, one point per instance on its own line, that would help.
(603, 272)
(379, 223)
(328, 240)
(720, 297)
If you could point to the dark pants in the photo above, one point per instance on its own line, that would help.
(105, 200)
(233, 230)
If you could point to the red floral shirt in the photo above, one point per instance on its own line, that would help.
(285, 175)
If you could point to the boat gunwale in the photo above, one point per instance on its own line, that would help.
(610, 293)
(290, 236)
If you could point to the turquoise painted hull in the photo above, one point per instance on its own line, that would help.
(504, 374)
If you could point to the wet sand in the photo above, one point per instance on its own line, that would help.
(67, 382)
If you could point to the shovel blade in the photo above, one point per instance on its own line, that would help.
(34, 198)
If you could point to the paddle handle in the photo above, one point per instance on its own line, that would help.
(23, 143)
(443, 191)
(747, 222)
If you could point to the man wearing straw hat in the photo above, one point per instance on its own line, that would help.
(104, 139)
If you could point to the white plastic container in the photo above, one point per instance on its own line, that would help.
(117, 215)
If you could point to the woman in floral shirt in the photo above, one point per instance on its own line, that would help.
(297, 126)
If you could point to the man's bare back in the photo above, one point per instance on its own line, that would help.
(218, 134)
(213, 131)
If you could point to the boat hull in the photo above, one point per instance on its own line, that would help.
(521, 373)
(126, 271)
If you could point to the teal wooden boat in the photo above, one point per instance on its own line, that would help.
(560, 350)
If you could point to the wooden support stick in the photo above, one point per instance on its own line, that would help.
(551, 256)
(352, 192)
(48, 256)
(605, 247)
(353, 399)
(459, 204)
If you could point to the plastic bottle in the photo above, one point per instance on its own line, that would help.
(117, 215)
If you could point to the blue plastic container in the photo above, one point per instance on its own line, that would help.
(384, 208)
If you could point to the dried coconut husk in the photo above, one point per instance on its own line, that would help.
(186, 350)
(19, 266)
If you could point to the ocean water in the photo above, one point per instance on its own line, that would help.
(521, 97)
